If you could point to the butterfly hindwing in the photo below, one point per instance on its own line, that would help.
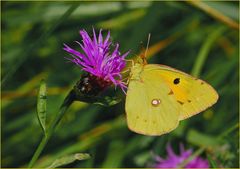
(193, 95)
(149, 107)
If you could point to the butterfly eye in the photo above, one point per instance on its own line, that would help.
(176, 81)
(156, 102)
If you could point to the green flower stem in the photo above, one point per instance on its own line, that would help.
(67, 102)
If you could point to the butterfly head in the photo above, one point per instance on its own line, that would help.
(141, 61)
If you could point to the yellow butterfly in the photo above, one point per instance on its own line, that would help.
(159, 96)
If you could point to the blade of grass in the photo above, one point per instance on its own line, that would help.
(203, 54)
(214, 13)
(26, 52)
(227, 8)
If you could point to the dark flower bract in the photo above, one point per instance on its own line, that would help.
(97, 59)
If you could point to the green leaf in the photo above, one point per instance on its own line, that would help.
(42, 105)
(213, 164)
(69, 159)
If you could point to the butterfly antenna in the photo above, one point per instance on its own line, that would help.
(149, 36)
(144, 57)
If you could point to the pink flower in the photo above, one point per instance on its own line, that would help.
(173, 160)
(97, 59)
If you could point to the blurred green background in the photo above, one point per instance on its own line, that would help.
(192, 37)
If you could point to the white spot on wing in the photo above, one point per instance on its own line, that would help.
(156, 102)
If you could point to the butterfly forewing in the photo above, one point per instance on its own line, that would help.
(193, 94)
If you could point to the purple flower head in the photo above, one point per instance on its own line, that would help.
(173, 160)
(97, 59)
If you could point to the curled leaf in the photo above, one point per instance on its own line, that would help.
(69, 159)
(42, 105)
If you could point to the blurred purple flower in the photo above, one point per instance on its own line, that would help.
(173, 160)
(97, 59)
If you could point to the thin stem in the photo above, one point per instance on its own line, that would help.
(38, 151)
(67, 102)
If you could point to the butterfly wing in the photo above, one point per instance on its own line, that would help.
(149, 107)
(193, 94)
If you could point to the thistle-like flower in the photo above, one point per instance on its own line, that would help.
(103, 67)
(173, 160)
